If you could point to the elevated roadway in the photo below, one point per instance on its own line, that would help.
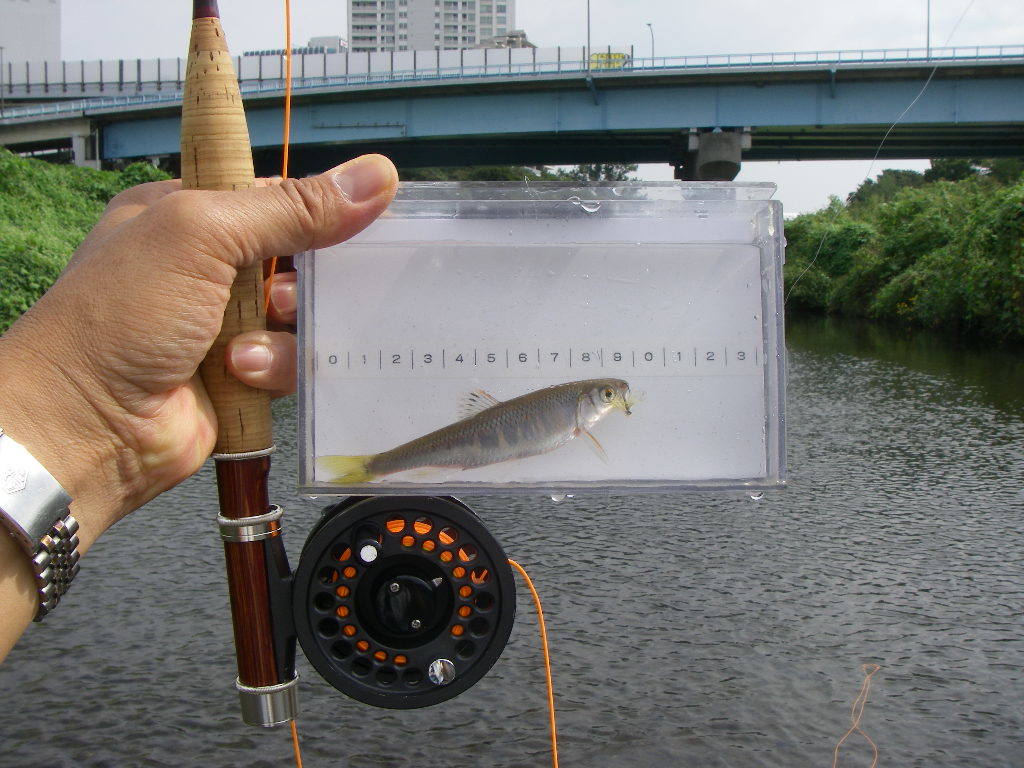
(817, 105)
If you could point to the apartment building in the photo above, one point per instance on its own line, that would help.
(30, 30)
(407, 25)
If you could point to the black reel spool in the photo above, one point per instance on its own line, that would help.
(402, 602)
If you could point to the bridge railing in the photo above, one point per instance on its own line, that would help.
(106, 85)
(838, 56)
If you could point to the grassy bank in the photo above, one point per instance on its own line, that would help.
(45, 212)
(940, 254)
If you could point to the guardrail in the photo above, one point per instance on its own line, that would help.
(169, 91)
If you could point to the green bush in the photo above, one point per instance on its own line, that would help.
(45, 212)
(822, 247)
(946, 254)
(994, 272)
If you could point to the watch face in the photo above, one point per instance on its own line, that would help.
(31, 499)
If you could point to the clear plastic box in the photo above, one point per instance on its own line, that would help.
(505, 290)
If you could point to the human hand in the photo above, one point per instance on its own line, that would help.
(98, 380)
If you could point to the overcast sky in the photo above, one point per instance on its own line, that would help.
(95, 29)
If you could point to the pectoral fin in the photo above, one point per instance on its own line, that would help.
(595, 445)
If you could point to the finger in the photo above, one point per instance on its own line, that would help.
(285, 218)
(264, 360)
(283, 299)
(143, 194)
(134, 200)
(127, 205)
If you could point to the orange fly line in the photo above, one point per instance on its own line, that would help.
(286, 133)
(285, 139)
(547, 661)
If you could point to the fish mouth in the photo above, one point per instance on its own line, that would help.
(629, 399)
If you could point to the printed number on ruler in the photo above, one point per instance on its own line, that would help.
(562, 362)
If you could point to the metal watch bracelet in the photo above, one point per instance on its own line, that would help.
(55, 564)
(34, 509)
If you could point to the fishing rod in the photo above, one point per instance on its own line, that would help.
(215, 155)
(398, 602)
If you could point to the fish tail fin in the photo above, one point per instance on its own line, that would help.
(347, 470)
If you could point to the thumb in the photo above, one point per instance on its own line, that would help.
(285, 218)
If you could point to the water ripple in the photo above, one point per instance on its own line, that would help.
(696, 630)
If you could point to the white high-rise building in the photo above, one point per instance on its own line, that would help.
(407, 25)
(30, 30)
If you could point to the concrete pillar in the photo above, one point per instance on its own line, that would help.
(718, 156)
(713, 155)
(83, 150)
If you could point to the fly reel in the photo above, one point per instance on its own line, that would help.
(402, 602)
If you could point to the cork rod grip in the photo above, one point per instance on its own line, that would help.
(215, 155)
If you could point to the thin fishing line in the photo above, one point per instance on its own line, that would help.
(878, 151)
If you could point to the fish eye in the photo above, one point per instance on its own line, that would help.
(608, 394)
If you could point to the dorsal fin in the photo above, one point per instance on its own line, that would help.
(476, 401)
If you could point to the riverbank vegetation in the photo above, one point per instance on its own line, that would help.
(45, 212)
(582, 174)
(942, 249)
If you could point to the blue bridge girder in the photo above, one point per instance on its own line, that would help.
(830, 110)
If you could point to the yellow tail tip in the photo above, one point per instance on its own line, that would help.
(346, 470)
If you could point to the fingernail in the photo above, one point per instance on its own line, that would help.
(251, 358)
(363, 178)
(282, 297)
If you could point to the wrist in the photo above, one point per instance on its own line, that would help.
(48, 413)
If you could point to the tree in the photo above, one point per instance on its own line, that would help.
(951, 169)
(1002, 170)
(1005, 170)
(582, 174)
(477, 173)
(600, 172)
(884, 188)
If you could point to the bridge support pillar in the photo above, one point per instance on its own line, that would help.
(713, 155)
(83, 150)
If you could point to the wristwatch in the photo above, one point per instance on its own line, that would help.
(34, 508)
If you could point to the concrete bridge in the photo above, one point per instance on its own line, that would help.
(703, 114)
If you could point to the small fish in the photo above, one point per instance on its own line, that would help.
(493, 431)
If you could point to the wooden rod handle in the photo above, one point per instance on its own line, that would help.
(243, 489)
(215, 155)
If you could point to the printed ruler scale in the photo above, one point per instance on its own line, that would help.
(520, 361)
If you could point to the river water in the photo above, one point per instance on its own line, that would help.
(696, 630)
